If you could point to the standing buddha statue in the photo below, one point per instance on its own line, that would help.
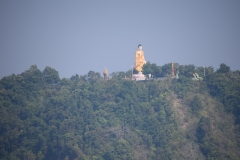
(139, 59)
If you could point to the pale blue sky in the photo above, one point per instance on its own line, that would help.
(75, 37)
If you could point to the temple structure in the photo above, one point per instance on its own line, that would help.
(139, 62)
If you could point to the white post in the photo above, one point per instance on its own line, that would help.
(204, 70)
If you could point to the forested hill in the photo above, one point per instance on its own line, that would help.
(44, 117)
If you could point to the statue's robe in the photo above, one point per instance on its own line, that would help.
(139, 60)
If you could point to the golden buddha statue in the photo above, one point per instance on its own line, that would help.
(139, 59)
(105, 73)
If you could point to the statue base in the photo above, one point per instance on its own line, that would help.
(138, 77)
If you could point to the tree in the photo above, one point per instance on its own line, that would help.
(187, 70)
(166, 69)
(223, 68)
(92, 76)
(196, 104)
(152, 69)
(51, 75)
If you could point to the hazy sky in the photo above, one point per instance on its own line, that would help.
(75, 37)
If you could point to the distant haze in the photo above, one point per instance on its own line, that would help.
(75, 37)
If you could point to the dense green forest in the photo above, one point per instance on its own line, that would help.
(44, 117)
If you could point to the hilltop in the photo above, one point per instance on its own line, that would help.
(86, 117)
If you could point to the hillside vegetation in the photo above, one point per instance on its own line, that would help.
(85, 117)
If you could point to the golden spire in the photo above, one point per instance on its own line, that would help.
(105, 73)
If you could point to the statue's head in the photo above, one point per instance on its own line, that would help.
(140, 47)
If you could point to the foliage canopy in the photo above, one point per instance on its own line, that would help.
(86, 117)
